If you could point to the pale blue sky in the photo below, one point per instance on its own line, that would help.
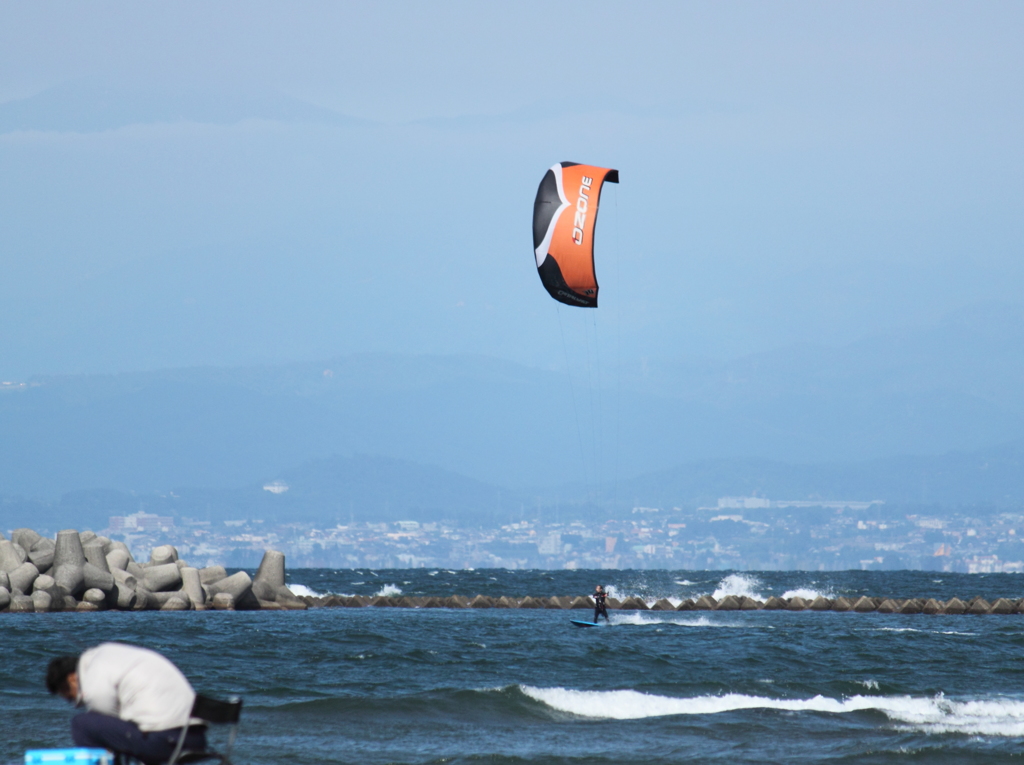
(186, 184)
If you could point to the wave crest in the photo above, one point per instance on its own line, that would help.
(740, 585)
(988, 717)
(302, 590)
(808, 593)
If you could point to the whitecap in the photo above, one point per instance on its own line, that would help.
(647, 618)
(388, 590)
(613, 592)
(635, 618)
(302, 590)
(894, 629)
(808, 593)
(740, 585)
(988, 717)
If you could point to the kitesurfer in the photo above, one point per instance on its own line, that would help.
(599, 606)
(137, 701)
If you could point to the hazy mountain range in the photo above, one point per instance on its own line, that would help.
(933, 415)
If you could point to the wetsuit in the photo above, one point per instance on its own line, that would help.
(599, 606)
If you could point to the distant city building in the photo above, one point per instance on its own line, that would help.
(551, 544)
(742, 503)
(139, 523)
(753, 503)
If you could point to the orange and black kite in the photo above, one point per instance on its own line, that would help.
(564, 218)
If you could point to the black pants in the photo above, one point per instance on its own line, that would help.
(91, 729)
(600, 611)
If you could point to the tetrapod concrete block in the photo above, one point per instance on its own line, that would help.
(41, 554)
(68, 550)
(117, 559)
(95, 596)
(212, 574)
(41, 601)
(162, 555)
(96, 578)
(162, 578)
(271, 569)
(25, 537)
(70, 578)
(22, 578)
(193, 587)
(11, 555)
(95, 555)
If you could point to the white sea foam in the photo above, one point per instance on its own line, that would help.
(301, 590)
(894, 629)
(808, 593)
(646, 618)
(388, 590)
(613, 592)
(987, 717)
(739, 585)
(871, 685)
(683, 582)
(636, 618)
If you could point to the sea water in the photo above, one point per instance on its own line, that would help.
(393, 685)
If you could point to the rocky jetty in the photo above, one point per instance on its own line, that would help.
(975, 606)
(84, 572)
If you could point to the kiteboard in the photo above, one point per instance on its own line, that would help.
(583, 624)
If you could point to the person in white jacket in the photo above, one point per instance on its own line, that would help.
(137, 701)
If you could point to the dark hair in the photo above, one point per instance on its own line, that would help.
(58, 670)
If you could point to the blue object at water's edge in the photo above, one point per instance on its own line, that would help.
(77, 756)
(380, 685)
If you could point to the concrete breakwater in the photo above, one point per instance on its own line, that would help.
(85, 572)
(861, 604)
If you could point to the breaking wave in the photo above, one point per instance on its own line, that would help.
(645, 618)
(302, 590)
(739, 585)
(387, 591)
(614, 592)
(937, 714)
(808, 593)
